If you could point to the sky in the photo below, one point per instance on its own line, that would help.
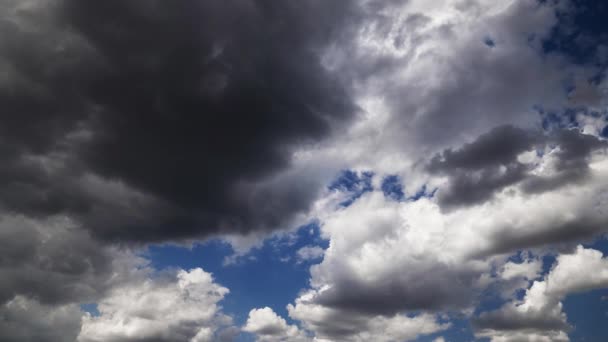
(303, 170)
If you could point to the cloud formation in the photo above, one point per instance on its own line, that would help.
(27, 320)
(466, 145)
(387, 257)
(539, 316)
(268, 326)
(497, 159)
(191, 112)
(174, 307)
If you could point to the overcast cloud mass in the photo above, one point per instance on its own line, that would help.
(419, 170)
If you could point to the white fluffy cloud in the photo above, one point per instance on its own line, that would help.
(267, 326)
(386, 257)
(529, 269)
(172, 307)
(309, 253)
(539, 316)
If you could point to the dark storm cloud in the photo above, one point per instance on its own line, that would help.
(479, 169)
(191, 104)
(51, 261)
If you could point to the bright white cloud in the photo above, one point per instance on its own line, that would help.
(583, 270)
(172, 307)
(529, 269)
(386, 256)
(267, 326)
(309, 253)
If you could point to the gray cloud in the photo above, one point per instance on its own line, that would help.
(131, 122)
(480, 168)
(489, 164)
(508, 319)
(52, 261)
(540, 312)
(424, 286)
(26, 320)
(191, 111)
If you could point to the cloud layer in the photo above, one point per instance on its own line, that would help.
(444, 149)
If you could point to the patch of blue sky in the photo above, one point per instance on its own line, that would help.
(392, 187)
(552, 120)
(604, 132)
(569, 118)
(490, 300)
(354, 182)
(588, 313)
(489, 42)
(91, 308)
(578, 32)
(423, 192)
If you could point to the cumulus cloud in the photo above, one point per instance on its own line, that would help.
(539, 316)
(494, 161)
(131, 122)
(266, 325)
(172, 307)
(387, 257)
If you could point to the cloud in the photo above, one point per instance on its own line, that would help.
(26, 320)
(198, 120)
(387, 257)
(266, 325)
(427, 81)
(366, 268)
(337, 325)
(530, 269)
(53, 261)
(133, 122)
(540, 314)
(182, 306)
(492, 162)
(309, 253)
(58, 266)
